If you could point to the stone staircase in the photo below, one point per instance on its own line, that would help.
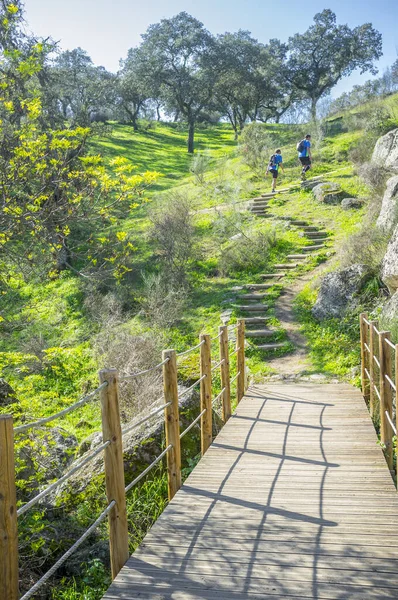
(251, 299)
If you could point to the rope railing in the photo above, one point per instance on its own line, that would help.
(61, 480)
(68, 553)
(367, 347)
(390, 422)
(109, 392)
(149, 416)
(236, 377)
(376, 360)
(390, 381)
(154, 463)
(218, 365)
(185, 392)
(61, 413)
(133, 375)
(192, 424)
(389, 343)
(377, 391)
(190, 349)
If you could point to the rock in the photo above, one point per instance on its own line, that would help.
(338, 290)
(7, 394)
(389, 267)
(310, 184)
(385, 153)
(389, 314)
(388, 217)
(328, 192)
(348, 203)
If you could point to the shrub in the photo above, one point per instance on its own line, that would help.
(380, 121)
(247, 254)
(368, 247)
(172, 232)
(256, 146)
(375, 177)
(163, 304)
(199, 166)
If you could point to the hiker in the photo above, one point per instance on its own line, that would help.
(304, 154)
(275, 162)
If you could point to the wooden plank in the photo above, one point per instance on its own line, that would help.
(292, 500)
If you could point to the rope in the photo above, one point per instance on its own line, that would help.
(218, 364)
(192, 424)
(367, 373)
(366, 321)
(390, 421)
(70, 408)
(236, 377)
(144, 419)
(367, 347)
(377, 332)
(65, 477)
(192, 386)
(235, 326)
(389, 342)
(146, 370)
(235, 351)
(377, 391)
(216, 337)
(68, 553)
(191, 349)
(219, 396)
(390, 381)
(376, 361)
(155, 462)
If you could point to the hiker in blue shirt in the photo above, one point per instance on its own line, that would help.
(275, 162)
(304, 154)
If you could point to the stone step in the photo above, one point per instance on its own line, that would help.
(262, 200)
(310, 228)
(251, 297)
(299, 223)
(286, 266)
(272, 346)
(252, 307)
(314, 234)
(264, 215)
(312, 248)
(256, 320)
(252, 333)
(268, 195)
(259, 286)
(320, 238)
(272, 275)
(295, 256)
(259, 205)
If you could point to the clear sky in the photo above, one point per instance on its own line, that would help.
(106, 29)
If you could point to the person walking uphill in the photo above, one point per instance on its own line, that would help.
(304, 154)
(275, 162)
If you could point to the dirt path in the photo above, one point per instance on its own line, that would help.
(297, 361)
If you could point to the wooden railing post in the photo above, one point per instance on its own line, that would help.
(8, 513)
(240, 346)
(206, 422)
(114, 470)
(225, 381)
(385, 395)
(372, 337)
(364, 357)
(172, 422)
(396, 404)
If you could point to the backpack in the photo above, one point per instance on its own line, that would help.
(272, 163)
(300, 146)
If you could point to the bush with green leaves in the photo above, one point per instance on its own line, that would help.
(256, 145)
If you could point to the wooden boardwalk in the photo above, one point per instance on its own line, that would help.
(292, 500)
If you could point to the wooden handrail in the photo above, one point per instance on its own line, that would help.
(113, 451)
(378, 388)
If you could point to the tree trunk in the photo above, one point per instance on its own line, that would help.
(191, 133)
(313, 109)
(158, 111)
(134, 121)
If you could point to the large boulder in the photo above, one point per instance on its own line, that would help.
(389, 314)
(388, 217)
(385, 153)
(338, 292)
(328, 192)
(389, 268)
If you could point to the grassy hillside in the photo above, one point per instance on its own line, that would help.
(57, 333)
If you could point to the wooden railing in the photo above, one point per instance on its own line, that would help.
(112, 449)
(379, 376)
